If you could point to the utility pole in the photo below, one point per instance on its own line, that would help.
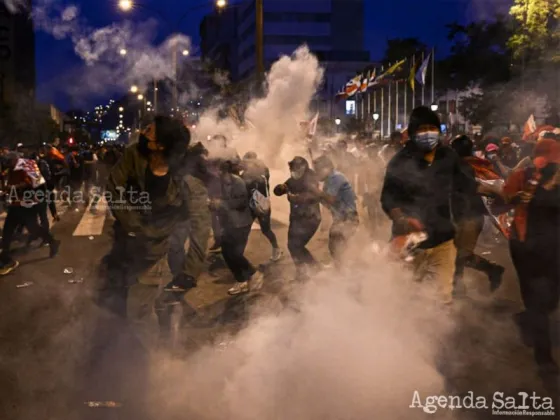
(259, 41)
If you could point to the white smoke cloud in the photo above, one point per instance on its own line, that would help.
(275, 132)
(15, 6)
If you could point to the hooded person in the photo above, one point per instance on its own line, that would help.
(305, 214)
(535, 245)
(418, 184)
(468, 213)
(148, 197)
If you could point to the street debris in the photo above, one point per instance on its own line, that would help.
(103, 404)
(26, 284)
(76, 281)
(68, 270)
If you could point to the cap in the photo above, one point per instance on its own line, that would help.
(492, 148)
(422, 115)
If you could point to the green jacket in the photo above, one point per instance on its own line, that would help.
(186, 199)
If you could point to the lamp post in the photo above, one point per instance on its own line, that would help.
(128, 5)
(337, 121)
(434, 107)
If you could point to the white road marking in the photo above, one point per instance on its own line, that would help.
(92, 224)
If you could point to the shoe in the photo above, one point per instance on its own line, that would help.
(217, 247)
(8, 267)
(180, 284)
(239, 288)
(55, 246)
(495, 276)
(257, 281)
(277, 254)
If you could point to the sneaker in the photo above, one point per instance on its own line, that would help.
(55, 246)
(239, 288)
(257, 281)
(8, 267)
(277, 254)
(495, 276)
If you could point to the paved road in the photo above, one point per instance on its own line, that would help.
(58, 350)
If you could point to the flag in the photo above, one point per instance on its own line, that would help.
(529, 128)
(312, 128)
(421, 74)
(372, 78)
(411, 80)
(341, 94)
(353, 85)
(390, 71)
(365, 82)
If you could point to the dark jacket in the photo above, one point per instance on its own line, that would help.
(257, 176)
(308, 205)
(234, 210)
(423, 190)
(184, 199)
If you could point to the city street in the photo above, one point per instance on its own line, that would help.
(53, 355)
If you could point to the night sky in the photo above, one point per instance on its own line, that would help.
(425, 19)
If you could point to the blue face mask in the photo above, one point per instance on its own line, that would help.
(427, 141)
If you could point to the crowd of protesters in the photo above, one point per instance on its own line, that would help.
(444, 190)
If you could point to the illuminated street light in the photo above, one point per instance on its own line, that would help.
(186, 52)
(134, 88)
(121, 109)
(221, 3)
(337, 121)
(148, 103)
(375, 116)
(120, 116)
(140, 97)
(125, 5)
(434, 107)
(122, 52)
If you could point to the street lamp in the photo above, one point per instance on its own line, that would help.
(125, 5)
(121, 109)
(375, 116)
(134, 88)
(221, 4)
(337, 121)
(140, 97)
(434, 107)
(122, 52)
(186, 52)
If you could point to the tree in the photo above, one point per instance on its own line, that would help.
(399, 48)
(479, 55)
(536, 34)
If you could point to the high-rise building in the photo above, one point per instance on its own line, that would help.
(17, 55)
(333, 29)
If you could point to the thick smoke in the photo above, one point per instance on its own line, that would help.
(273, 121)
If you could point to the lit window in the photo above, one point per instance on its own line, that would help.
(351, 107)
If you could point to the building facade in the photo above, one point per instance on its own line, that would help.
(17, 55)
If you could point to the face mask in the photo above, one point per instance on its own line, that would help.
(427, 141)
(297, 174)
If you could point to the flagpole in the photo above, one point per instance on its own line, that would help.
(382, 111)
(390, 104)
(433, 73)
(397, 104)
(423, 84)
(414, 82)
(405, 101)
(363, 106)
(369, 103)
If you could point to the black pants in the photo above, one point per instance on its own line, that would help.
(300, 233)
(538, 273)
(27, 217)
(466, 238)
(43, 217)
(266, 228)
(234, 242)
(176, 254)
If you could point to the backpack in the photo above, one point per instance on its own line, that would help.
(258, 203)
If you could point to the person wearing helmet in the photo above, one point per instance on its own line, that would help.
(305, 213)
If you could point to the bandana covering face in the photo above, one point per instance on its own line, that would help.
(427, 140)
